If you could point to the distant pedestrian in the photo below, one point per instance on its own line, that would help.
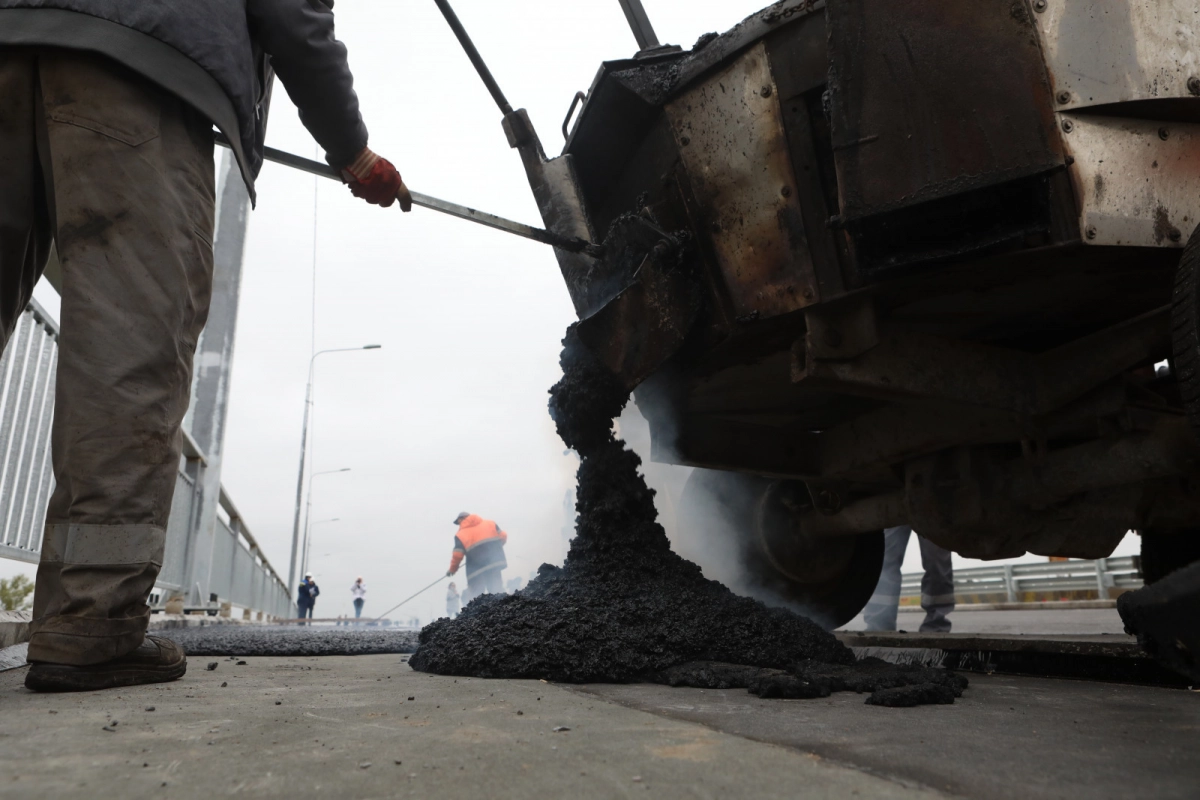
(452, 600)
(360, 592)
(937, 585)
(306, 597)
(481, 542)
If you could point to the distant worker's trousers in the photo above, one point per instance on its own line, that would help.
(358, 604)
(119, 175)
(489, 582)
(937, 585)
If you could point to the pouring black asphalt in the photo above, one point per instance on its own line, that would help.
(625, 607)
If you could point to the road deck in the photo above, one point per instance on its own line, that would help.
(345, 726)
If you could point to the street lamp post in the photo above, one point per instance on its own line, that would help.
(308, 541)
(304, 454)
(308, 523)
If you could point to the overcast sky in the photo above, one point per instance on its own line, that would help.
(451, 414)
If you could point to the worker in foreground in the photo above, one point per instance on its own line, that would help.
(481, 542)
(107, 109)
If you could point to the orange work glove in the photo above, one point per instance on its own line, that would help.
(374, 179)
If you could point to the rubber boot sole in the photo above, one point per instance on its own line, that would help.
(62, 678)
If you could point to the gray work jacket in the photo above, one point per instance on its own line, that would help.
(216, 55)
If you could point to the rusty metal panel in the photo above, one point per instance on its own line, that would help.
(1137, 181)
(732, 144)
(636, 331)
(1101, 51)
(933, 98)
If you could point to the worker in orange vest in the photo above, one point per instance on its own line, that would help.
(481, 542)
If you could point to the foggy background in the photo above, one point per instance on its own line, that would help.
(451, 414)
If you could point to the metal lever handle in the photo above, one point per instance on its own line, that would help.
(472, 53)
(573, 245)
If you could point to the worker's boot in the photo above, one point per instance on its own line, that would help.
(155, 661)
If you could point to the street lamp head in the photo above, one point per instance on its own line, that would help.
(373, 347)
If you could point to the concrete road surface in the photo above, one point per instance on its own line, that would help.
(345, 727)
(1039, 621)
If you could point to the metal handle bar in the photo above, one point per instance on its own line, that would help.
(573, 245)
(402, 602)
(465, 40)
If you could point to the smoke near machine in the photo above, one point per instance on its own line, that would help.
(705, 514)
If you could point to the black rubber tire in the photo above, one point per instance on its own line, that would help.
(829, 579)
(1165, 552)
(1185, 329)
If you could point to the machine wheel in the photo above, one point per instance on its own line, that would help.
(829, 578)
(1185, 329)
(1163, 552)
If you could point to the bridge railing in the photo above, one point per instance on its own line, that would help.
(1014, 583)
(27, 369)
(240, 574)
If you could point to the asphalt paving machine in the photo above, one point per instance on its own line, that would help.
(882, 262)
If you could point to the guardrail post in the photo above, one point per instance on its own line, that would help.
(1103, 579)
(1010, 583)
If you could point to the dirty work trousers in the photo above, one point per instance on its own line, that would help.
(489, 582)
(119, 175)
(937, 585)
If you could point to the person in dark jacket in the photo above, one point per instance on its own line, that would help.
(306, 596)
(106, 131)
(481, 542)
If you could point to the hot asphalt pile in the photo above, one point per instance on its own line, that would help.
(290, 640)
(625, 607)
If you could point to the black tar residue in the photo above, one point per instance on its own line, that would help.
(1165, 615)
(290, 640)
(625, 607)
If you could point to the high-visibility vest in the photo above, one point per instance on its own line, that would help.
(481, 542)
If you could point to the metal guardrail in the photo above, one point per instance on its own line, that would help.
(1013, 581)
(27, 370)
(239, 573)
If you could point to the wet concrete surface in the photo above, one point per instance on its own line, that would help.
(1006, 738)
(369, 727)
(291, 640)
